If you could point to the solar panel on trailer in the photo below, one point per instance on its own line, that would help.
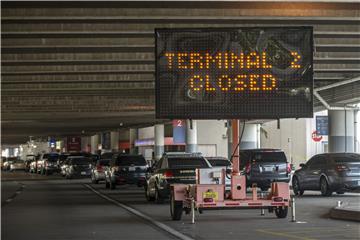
(230, 73)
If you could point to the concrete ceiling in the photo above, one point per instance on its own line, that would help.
(71, 68)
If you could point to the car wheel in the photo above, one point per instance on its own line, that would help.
(324, 187)
(176, 208)
(147, 195)
(281, 212)
(158, 198)
(296, 187)
(68, 176)
(340, 192)
(47, 173)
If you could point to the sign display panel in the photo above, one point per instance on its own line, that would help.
(231, 73)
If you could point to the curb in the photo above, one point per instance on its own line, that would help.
(345, 214)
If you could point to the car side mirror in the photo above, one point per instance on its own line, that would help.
(302, 165)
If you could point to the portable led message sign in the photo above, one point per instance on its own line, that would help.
(230, 73)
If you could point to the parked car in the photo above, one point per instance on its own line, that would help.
(108, 155)
(328, 172)
(172, 168)
(8, 162)
(264, 166)
(126, 169)
(17, 165)
(98, 170)
(219, 162)
(47, 163)
(77, 166)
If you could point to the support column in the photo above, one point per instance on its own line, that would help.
(94, 143)
(133, 137)
(114, 141)
(159, 141)
(86, 144)
(341, 130)
(230, 139)
(249, 137)
(191, 136)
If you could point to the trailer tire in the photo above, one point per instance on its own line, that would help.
(281, 212)
(176, 208)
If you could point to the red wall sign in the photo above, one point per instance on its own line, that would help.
(316, 137)
(73, 144)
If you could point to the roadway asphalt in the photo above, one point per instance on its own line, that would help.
(75, 209)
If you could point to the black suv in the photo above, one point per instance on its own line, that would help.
(328, 172)
(264, 166)
(126, 169)
(172, 168)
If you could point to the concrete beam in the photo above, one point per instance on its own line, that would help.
(268, 20)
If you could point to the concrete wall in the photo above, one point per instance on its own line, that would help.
(213, 132)
(301, 146)
(291, 137)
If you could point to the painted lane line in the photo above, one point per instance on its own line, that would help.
(158, 224)
(9, 200)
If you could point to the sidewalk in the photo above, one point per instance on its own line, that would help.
(346, 211)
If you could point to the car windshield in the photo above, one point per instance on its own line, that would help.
(187, 163)
(63, 157)
(269, 157)
(348, 158)
(219, 162)
(131, 160)
(103, 162)
(81, 161)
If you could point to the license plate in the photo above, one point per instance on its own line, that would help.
(268, 169)
(131, 169)
(213, 195)
(83, 173)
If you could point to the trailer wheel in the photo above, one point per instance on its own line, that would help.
(281, 212)
(176, 208)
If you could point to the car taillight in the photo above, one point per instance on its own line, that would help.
(248, 168)
(168, 174)
(288, 168)
(342, 168)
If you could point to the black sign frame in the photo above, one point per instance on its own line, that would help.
(233, 115)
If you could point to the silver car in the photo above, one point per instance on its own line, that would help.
(17, 165)
(329, 172)
(98, 170)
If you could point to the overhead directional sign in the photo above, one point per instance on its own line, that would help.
(229, 73)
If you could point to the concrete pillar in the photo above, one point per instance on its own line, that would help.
(230, 139)
(191, 136)
(86, 144)
(95, 140)
(249, 137)
(341, 130)
(133, 137)
(114, 140)
(159, 140)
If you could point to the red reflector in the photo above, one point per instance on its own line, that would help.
(341, 168)
(288, 168)
(208, 200)
(278, 199)
(248, 168)
(168, 174)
